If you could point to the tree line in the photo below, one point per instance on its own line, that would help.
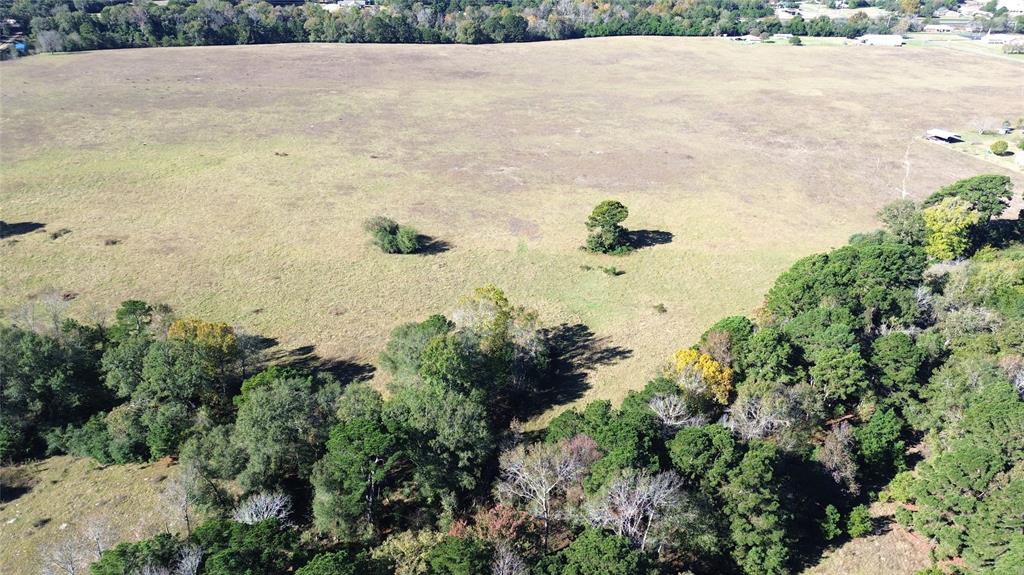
(890, 369)
(66, 25)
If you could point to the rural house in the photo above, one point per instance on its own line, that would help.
(881, 40)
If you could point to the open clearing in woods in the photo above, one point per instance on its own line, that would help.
(231, 182)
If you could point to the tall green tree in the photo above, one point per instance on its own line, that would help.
(606, 232)
(757, 522)
(362, 465)
(988, 195)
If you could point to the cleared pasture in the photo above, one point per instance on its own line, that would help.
(231, 182)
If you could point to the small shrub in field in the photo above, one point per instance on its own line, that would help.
(999, 147)
(796, 41)
(408, 240)
(392, 237)
(859, 522)
(660, 308)
(612, 271)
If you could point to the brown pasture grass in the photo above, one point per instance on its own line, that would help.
(891, 550)
(53, 499)
(235, 179)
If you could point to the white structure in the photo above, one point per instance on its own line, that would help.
(943, 136)
(881, 40)
(1002, 38)
(1014, 7)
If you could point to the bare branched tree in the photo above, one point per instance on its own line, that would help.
(190, 557)
(56, 307)
(151, 569)
(691, 380)
(717, 344)
(836, 454)
(758, 416)
(537, 475)
(78, 549)
(263, 506)
(97, 536)
(64, 557)
(507, 561)
(635, 504)
(674, 413)
(1013, 367)
(179, 496)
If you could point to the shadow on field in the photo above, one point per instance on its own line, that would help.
(430, 246)
(575, 350)
(649, 238)
(18, 228)
(15, 482)
(306, 358)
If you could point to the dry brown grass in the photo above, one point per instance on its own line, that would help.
(752, 156)
(51, 500)
(891, 551)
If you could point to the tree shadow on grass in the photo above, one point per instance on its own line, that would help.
(640, 239)
(575, 351)
(8, 230)
(1003, 232)
(431, 246)
(305, 358)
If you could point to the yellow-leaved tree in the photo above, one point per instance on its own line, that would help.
(716, 378)
(217, 336)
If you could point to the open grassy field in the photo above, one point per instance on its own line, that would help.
(56, 499)
(230, 182)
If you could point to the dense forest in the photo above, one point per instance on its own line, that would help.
(890, 369)
(66, 25)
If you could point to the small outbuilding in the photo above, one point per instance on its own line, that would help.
(943, 136)
(881, 40)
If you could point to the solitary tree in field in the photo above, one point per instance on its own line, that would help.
(999, 147)
(392, 237)
(607, 236)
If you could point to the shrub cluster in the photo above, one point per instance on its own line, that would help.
(391, 237)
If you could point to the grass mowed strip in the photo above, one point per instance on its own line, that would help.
(232, 182)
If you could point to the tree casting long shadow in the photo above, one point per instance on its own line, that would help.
(575, 350)
(306, 359)
(430, 246)
(18, 228)
(640, 239)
